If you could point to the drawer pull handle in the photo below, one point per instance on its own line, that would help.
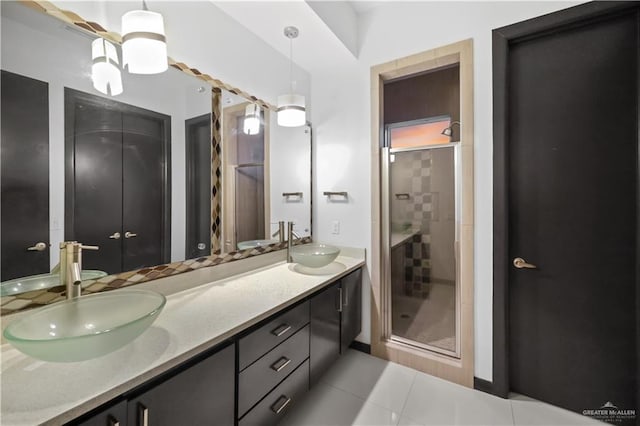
(280, 364)
(143, 415)
(279, 331)
(113, 421)
(280, 404)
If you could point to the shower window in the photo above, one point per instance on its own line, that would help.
(419, 133)
(423, 233)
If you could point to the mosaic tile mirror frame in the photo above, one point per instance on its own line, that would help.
(217, 252)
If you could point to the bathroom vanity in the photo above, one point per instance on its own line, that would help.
(240, 350)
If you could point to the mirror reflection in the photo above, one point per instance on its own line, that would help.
(130, 173)
(266, 177)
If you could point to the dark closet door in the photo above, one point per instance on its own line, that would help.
(96, 173)
(198, 152)
(143, 172)
(25, 176)
(117, 182)
(573, 196)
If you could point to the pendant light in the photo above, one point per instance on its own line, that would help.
(291, 107)
(251, 119)
(105, 70)
(144, 47)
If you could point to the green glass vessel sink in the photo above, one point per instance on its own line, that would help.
(314, 255)
(87, 327)
(41, 282)
(243, 245)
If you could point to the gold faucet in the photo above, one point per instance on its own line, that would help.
(71, 266)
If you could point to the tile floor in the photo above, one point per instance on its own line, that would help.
(363, 390)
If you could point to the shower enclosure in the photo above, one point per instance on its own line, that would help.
(420, 170)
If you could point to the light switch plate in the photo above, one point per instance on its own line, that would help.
(335, 228)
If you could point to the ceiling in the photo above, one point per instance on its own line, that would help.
(363, 6)
(317, 49)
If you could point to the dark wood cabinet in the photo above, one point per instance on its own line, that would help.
(200, 395)
(274, 332)
(351, 309)
(264, 374)
(324, 339)
(277, 403)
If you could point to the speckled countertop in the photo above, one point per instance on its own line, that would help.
(193, 320)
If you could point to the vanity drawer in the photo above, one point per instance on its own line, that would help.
(262, 340)
(261, 376)
(280, 400)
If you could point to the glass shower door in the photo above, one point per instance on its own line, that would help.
(422, 253)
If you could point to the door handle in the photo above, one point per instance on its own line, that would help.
(115, 236)
(143, 415)
(520, 263)
(280, 364)
(113, 421)
(282, 402)
(130, 234)
(38, 247)
(280, 330)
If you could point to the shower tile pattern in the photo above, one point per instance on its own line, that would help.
(419, 209)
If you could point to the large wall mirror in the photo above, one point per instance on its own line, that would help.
(133, 173)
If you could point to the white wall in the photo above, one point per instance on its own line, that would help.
(341, 118)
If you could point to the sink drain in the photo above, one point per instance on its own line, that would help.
(405, 316)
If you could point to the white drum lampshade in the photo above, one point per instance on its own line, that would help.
(144, 47)
(105, 70)
(291, 110)
(252, 119)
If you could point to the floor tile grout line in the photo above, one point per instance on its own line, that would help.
(368, 401)
(413, 382)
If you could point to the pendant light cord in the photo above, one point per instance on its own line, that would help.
(291, 65)
(144, 5)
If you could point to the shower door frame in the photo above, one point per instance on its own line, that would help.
(458, 370)
(385, 176)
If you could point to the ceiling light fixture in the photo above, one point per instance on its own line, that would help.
(291, 107)
(144, 46)
(252, 119)
(105, 70)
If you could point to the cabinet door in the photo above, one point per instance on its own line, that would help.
(351, 312)
(325, 331)
(201, 395)
(114, 415)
